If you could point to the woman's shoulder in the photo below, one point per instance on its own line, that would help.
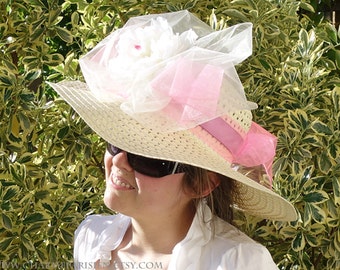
(96, 222)
(228, 232)
(238, 250)
(97, 235)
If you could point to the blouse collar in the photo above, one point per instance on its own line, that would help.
(200, 232)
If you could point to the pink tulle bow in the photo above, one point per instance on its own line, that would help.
(257, 148)
(193, 90)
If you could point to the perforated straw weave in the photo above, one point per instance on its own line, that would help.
(119, 129)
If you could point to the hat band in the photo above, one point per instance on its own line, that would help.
(219, 128)
(256, 148)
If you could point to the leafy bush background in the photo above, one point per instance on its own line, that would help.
(51, 172)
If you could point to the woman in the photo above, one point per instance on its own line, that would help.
(182, 149)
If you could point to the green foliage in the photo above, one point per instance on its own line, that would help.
(51, 172)
(50, 162)
(295, 80)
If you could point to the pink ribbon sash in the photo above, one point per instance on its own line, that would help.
(256, 148)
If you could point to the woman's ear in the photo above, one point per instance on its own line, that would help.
(214, 182)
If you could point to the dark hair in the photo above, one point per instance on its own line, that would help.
(221, 199)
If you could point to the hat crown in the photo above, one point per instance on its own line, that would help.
(170, 71)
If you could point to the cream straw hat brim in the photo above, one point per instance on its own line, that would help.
(119, 129)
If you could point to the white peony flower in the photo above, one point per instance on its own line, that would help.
(141, 48)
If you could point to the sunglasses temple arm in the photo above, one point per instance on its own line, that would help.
(175, 168)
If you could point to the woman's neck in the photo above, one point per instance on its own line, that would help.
(158, 235)
(152, 239)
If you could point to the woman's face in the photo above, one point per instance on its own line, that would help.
(137, 195)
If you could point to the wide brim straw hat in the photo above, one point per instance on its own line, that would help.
(165, 86)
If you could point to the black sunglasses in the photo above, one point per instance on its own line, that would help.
(149, 166)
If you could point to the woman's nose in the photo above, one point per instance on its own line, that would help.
(121, 161)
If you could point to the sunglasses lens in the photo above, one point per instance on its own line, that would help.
(147, 166)
(151, 167)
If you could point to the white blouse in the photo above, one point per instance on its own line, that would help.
(213, 245)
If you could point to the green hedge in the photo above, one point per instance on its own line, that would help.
(51, 172)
